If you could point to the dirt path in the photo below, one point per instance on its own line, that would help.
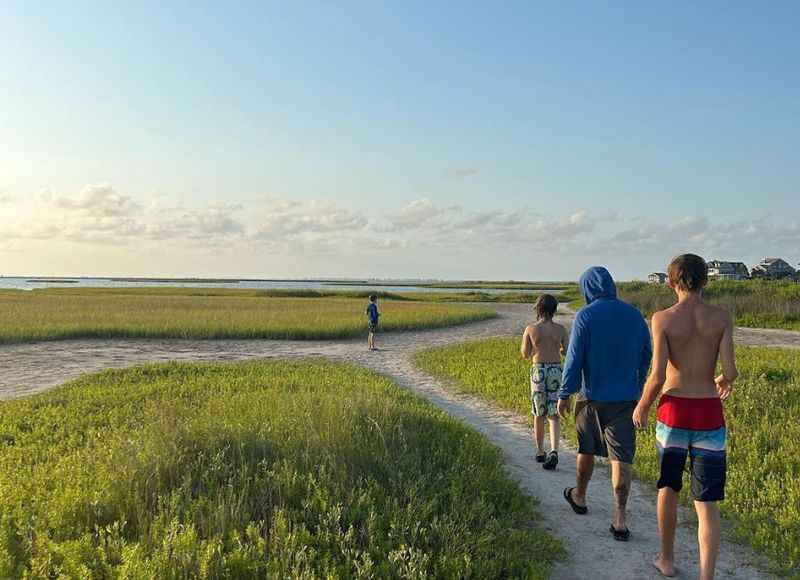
(592, 553)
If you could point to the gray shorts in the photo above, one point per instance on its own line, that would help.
(606, 429)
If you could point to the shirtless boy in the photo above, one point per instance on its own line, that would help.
(688, 339)
(544, 343)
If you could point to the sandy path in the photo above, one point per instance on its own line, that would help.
(35, 367)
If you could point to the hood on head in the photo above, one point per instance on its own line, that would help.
(597, 283)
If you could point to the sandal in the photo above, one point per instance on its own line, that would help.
(578, 509)
(552, 461)
(620, 535)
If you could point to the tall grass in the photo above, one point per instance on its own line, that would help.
(763, 490)
(752, 303)
(304, 469)
(207, 314)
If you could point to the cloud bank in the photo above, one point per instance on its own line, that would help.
(420, 238)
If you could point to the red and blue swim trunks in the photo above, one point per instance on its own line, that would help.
(693, 428)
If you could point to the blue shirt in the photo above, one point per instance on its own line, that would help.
(372, 312)
(609, 346)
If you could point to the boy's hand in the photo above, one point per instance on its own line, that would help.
(564, 407)
(724, 387)
(640, 414)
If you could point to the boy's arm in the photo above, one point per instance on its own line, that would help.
(658, 373)
(647, 355)
(526, 348)
(727, 359)
(564, 341)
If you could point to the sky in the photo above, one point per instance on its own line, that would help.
(458, 140)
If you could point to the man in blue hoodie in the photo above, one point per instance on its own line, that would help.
(609, 355)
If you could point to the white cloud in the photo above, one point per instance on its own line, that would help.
(282, 221)
(463, 172)
(417, 235)
(211, 223)
(98, 201)
(419, 213)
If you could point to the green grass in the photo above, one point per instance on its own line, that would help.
(55, 314)
(508, 297)
(304, 469)
(480, 284)
(752, 303)
(763, 490)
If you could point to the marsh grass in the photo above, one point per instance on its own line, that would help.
(55, 314)
(304, 469)
(763, 490)
(752, 303)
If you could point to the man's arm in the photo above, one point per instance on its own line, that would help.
(658, 373)
(526, 348)
(573, 367)
(727, 359)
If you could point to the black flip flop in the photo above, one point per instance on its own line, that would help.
(540, 457)
(552, 461)
(620, 535)
(578, 509)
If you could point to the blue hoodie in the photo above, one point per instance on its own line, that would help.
(609, 346)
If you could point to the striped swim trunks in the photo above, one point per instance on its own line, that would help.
(693, 428)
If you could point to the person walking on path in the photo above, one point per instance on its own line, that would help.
(688, 340)
(544, 343)
(609, 354)
(372, 321)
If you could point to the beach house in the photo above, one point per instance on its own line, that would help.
(657, 278)
(722, 270)
(773, 269)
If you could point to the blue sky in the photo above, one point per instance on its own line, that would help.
(526, 140)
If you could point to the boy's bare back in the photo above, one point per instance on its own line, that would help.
(696, 335)
(548, 341)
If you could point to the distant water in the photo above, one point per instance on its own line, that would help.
(34, 283)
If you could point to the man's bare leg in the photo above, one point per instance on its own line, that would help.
(708, 534)
(621, 486)
(555, 433)
(585, 468)
(667, 510)
(538, 428)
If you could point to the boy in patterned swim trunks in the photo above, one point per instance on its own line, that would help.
(544, 343)
(689, 338)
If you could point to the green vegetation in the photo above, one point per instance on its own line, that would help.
(478, 284)
(763, 492)
(304, 469)
(753, 303)
(501, 297)
(204, 313)
(507, 285)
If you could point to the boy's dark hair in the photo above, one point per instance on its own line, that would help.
(688, 272)
(373, 297)
(546, 306)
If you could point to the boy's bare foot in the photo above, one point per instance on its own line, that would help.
(666, 568)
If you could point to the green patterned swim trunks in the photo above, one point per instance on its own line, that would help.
(545, 382)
